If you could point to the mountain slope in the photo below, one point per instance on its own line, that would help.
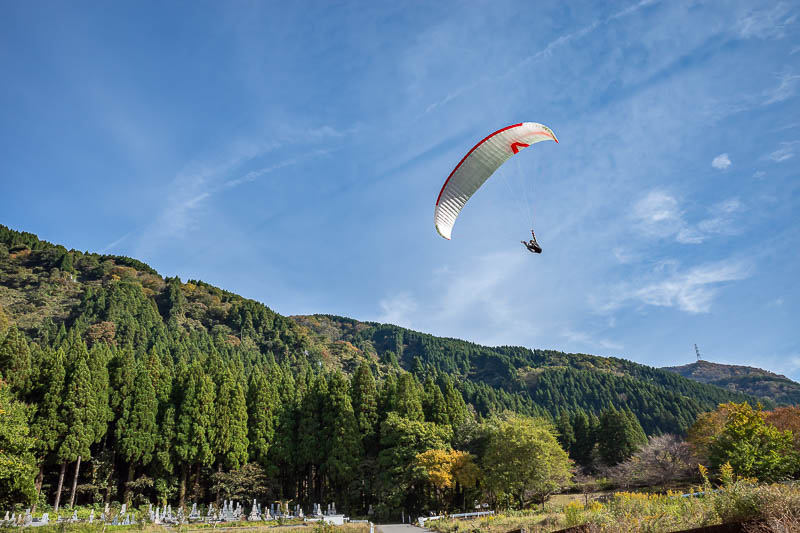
(533, 380)
(746, 379)
(45, 288)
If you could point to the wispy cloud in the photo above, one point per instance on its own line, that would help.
(588, 340)
(193, 189)
(658, 215)
(691, 291)
(721, 162)
(547, 51)
(568, 37)
(785, 152)
(399, 308)
(114, 244)
(254, 175)
(770, 23)
(787, 87)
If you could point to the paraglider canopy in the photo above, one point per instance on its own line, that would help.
(479, 164)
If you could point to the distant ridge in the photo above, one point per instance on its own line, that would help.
(747, 379)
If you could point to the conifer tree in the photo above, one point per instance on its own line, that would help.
(311, 452)
(136, 428)
(387, 398)
(617, 437)
(47, 426)
(365, 407)
(566, 435)
(456, 407)
(262, 403)
(409, 398)
(78, 412)
(230, 424)
(341, 428)
(433, 404)
(15, 361)
(585, 438)
(195, 428)
(99, 357)
(283, 457)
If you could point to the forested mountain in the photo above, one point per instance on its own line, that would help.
(746, 379)
(144, 388)
(532, 381)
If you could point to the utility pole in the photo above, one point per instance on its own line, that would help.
(697, 351)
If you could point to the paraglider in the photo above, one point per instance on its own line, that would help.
(532, 246)
(478, 166)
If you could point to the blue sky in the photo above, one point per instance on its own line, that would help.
(292, 153)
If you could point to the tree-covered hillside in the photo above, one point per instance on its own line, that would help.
(125, 385)
(746, 379)
(533, 381)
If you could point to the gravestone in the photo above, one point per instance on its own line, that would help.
(45, 519)
(194, 515)
(91, 516)
(28, 520)
(254, 514)
(74, 517)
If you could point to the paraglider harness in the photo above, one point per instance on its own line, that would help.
(532, 246)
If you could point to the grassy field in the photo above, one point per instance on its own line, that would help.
(776, 506)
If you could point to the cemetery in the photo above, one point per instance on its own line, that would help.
(275, 513)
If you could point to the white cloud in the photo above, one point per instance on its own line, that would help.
(691, 291)
(658, 216)
(785, 89)
(721, 220)
(721, 162)
(399, 309)
(587, 340)
(114, 244)
(759, 174)
(766, 24)
(785, 152)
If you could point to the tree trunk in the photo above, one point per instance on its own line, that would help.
(196, 484)
(182, 490)
(60, 485)
(39, 481)
(107, 497)
(75, 483)
(127, 494)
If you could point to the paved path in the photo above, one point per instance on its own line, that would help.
(400, 528)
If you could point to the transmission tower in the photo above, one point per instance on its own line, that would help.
(697, 351)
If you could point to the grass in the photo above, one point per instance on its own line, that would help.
(776, 506)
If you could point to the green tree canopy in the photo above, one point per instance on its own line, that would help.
(524, 460)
